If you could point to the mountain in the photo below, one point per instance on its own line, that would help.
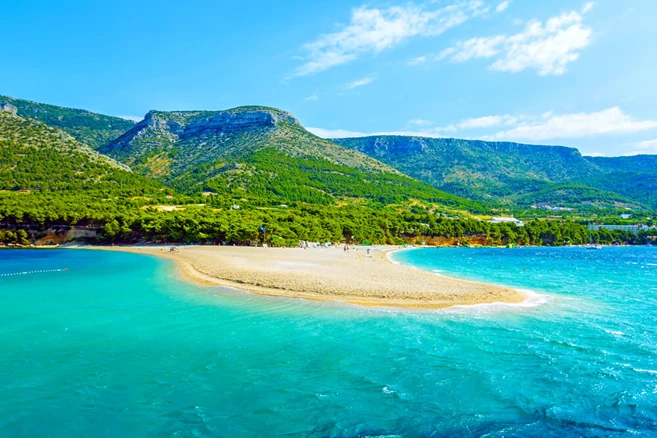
(634, 177)
(514, 173)
(264, 154)
(234, 169)
(260, 153)
(35, 157)
(94, 130)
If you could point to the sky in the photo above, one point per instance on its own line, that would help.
(572, 73)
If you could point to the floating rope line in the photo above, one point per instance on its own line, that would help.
(40, 271)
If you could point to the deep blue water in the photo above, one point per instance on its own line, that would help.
(117, 346)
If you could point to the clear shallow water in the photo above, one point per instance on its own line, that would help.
(117, 346)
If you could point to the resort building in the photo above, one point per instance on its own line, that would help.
(508, 220)
(633, 228)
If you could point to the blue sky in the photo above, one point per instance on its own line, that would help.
(573, 73)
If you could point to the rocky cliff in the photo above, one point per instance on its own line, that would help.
(8, 108)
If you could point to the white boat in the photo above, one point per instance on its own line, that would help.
(594, 247)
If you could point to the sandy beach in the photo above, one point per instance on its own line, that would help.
(328, 274)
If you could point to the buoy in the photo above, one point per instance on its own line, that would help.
(41, 271)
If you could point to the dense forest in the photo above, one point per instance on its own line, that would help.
(136, 221)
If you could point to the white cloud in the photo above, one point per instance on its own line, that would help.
(650, 145)
(360, 82)
(417, 61)
(343, 133)
(502, 6)
(644, 147)
(546, 47)
(445, 53)
(311, 98)
(576, 125)
(532, 129)
(588, 7)
(335, 133)
(133, 118)
(420, 122)
(375, 30)
(487, 122)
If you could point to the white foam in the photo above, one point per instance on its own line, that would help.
(613, 332)
(390, 253)
(639, 370)
(533, 300)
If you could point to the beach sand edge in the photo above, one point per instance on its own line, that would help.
(325, 275)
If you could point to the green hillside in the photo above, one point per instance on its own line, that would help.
(37, 157)
(516, 174)
(262, 155)
(94, 130)
(48, 177)
(634, 177)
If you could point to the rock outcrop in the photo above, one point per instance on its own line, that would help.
(8, 108)
(234, 121)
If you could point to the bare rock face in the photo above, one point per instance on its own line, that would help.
(188, 124)
(160, 131)
(8, 108)
(157, 121)
(233, 121)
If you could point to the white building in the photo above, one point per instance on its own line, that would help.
(507, 220)
(633, 228)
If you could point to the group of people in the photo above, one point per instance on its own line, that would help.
(346, 249)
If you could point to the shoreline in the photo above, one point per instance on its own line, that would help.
(325, 274)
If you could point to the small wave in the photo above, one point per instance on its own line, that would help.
(533, 300)
(639, 370)
(391, 258)
(614, 332)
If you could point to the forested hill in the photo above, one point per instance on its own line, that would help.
(94, 130)
(515, 173)
(38, 158)
(263, 154)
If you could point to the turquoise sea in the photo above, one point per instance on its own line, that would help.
(114, 345)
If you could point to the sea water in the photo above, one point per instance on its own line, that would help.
(109, 344)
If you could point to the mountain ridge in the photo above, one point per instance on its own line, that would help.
(203, 150)
(88, 127)
(258, 152)
(507, 171)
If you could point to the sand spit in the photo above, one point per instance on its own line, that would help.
(328, 274)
